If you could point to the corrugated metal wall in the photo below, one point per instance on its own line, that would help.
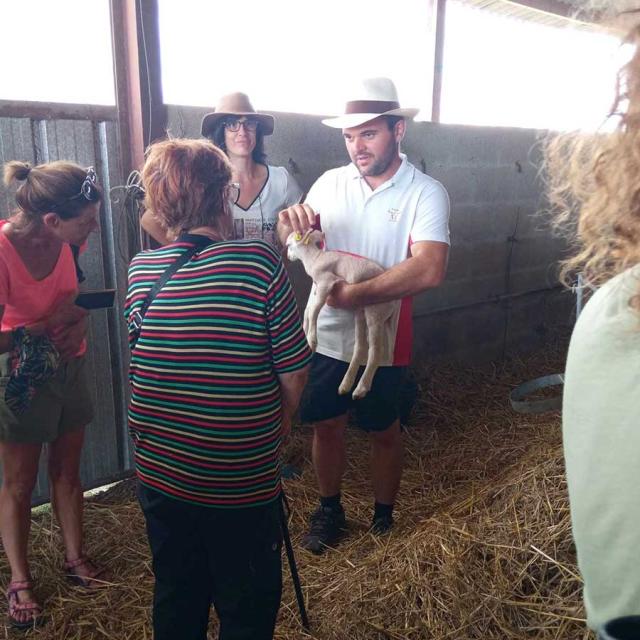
(106, 453)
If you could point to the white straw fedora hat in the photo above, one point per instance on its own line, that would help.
(236, 104)
(376, 97)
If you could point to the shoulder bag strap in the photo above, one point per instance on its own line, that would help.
(167, 275)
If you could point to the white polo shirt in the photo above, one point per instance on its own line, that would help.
(258, 220)
(381, 225)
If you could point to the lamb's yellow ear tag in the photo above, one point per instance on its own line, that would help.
(297, 237)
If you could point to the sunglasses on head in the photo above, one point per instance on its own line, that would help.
(88, 190)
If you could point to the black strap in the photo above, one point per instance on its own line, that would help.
(75, 251)
(200, 242)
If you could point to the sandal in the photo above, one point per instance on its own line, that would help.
(15, 606)
(87, 581)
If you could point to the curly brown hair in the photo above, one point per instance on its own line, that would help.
(593, 183)
(185, 184)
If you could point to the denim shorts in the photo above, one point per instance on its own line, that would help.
(61, 404)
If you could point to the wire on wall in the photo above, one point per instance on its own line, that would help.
(129, 198)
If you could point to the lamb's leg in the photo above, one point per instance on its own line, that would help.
(359, 350)
(322, 293)
(375, 330)
(305, 320)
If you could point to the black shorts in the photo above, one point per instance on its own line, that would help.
(377, 411)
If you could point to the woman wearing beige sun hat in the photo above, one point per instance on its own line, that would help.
(239, 131)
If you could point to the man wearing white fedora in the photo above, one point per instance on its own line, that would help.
(381, 207)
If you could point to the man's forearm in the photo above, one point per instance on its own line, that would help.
(408, 278)
(405, 279)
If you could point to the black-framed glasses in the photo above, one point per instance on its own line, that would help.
(233, 192)
(234, 124)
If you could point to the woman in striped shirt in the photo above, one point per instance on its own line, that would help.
(218, 364)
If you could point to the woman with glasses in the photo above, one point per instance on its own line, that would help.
(44, 396)
(265, 190)
(218, 363)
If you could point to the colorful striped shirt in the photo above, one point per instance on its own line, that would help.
(205, 408)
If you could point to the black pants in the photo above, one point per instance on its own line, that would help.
(203, 555)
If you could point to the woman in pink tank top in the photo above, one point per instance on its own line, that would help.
(44, 396)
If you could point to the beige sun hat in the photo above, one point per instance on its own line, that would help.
(375, 97)
(236, 104)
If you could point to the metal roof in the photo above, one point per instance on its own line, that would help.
(553, 13)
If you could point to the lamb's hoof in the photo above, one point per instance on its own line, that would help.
(360, 393)
(312, 344)
(343, 389)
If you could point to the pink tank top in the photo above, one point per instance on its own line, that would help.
(26, 300)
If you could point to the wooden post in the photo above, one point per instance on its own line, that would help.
(154, 112)
(124, 38)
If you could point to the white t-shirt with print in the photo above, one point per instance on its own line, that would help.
(381, 225)
(259, 220)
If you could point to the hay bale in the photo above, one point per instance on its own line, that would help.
(481, 549)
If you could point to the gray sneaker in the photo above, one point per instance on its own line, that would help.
(327, 527)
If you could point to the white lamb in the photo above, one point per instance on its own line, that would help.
(326, 268)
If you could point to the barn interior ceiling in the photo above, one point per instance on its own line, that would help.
(556, 13)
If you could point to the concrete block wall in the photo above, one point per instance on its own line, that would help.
(501, 294)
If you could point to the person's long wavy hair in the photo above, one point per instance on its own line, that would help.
(593, 184)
